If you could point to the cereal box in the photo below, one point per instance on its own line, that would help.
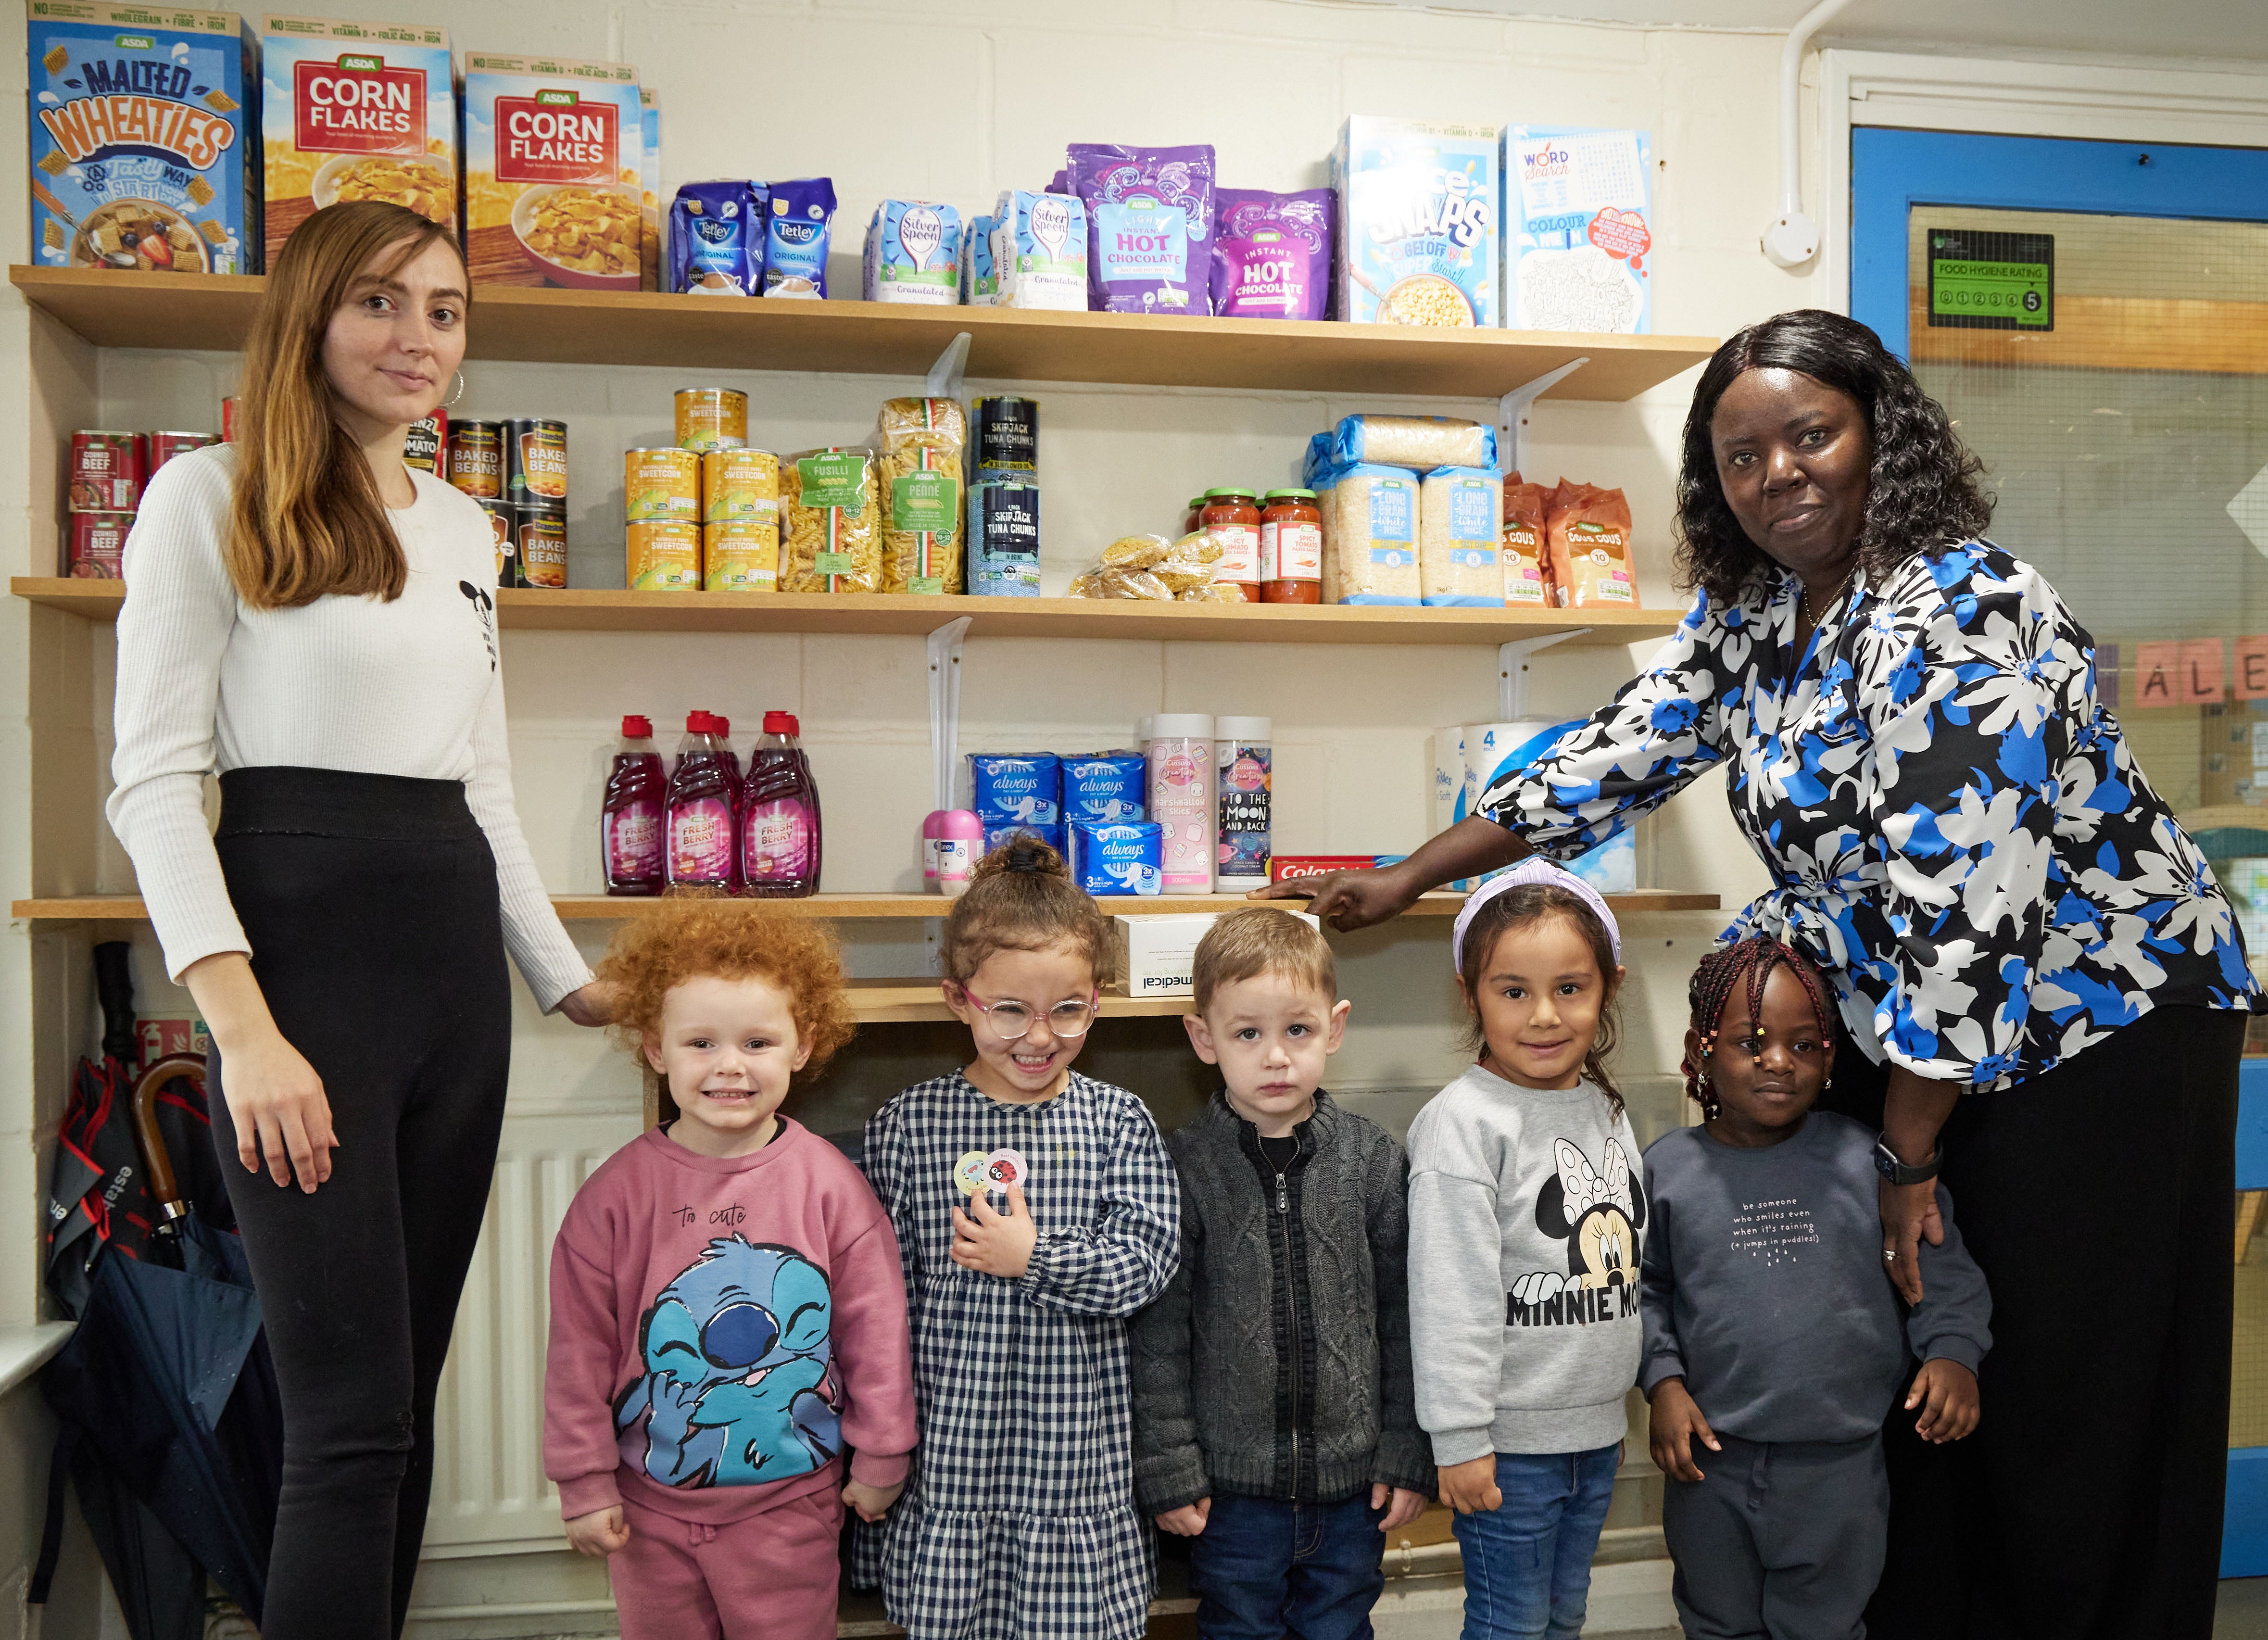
(354, 111)
(138, 138)
(1578, 239)
(649, 186)
(554, 186)
(1419, 209)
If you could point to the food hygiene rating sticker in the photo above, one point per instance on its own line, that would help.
(1980, 281)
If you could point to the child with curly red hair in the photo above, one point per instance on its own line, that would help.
(728, 1313)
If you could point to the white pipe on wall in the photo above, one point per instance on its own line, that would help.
(1792, 238)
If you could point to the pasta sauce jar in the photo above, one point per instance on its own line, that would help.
(1292, 548)
(1233, 518)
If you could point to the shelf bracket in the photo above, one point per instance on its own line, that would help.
(1512, 672)
(945, 705)
(1512, 417)
(945, 376)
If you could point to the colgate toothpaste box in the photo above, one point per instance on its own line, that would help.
(139, 126)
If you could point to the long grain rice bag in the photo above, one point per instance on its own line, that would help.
(1421, 442)
(1370, 534)
(1460, 546)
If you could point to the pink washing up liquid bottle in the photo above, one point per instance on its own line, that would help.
(721, 727)
(779, 816)
(633, 817)
(700, 794)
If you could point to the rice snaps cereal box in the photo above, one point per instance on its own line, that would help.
(555, 186)
(354, 111)
(1419, 206)
(138, 138)
(1579, 247)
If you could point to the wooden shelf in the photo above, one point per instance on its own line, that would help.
(116, 309)
(529, 609)
(854, 908)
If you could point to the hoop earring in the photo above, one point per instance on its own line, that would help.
(451, 401)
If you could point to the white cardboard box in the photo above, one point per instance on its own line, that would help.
(1155, 953)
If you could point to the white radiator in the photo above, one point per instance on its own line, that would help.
(489, 1490)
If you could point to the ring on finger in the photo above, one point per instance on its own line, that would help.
(1889, 1255)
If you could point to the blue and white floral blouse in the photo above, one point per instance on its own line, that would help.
(1956, 830)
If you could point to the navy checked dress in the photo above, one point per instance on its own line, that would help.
(1020, 1521)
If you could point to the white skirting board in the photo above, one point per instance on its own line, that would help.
(1630, 1599)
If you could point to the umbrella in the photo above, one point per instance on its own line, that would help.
(171, 1427)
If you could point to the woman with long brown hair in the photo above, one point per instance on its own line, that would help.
(312, 619)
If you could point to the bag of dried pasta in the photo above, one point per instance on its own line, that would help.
(1589, 532)
(1526, 559)
(1460, 546)
(830, 522)
(922, 442)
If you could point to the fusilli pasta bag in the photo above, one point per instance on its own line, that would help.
(831, 522)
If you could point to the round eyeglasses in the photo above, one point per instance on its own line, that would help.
(1013, 1021)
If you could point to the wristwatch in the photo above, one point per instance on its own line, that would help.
(1898, 1172)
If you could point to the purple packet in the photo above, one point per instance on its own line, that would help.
(1271, 253)
(1149, 225)
(795, 250)
(717, 239)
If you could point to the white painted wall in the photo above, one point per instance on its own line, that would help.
(901, 99)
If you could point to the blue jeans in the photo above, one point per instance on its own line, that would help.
(1263, 1569)
(1527, 1563)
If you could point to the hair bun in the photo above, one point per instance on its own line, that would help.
(1024, 856)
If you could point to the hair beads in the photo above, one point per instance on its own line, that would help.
(1751, 962)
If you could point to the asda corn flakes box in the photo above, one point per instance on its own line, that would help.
(553, 172)
(139, 132)
(649, 188)
(354, 111)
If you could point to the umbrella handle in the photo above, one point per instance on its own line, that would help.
(164, 1192)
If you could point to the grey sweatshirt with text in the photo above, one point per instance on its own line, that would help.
(1526, 1208)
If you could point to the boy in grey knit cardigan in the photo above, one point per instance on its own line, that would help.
(1274, 1422)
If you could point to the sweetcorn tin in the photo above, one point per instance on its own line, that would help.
(739, 484)
(741, 556)
(664, 556)
(661, 483)
(711, 418)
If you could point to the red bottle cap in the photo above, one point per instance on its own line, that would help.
(637, 728)
(781, 723)
(720, 725)
(696, 722)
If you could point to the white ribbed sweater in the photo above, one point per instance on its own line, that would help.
(409, 687)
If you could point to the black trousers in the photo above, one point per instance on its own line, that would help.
(2099, 1198)
(369, 901)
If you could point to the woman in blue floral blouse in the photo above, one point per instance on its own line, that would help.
(1958, 835)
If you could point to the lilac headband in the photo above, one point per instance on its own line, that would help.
(1533, 869)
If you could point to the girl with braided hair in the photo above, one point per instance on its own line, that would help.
(1764, 1300)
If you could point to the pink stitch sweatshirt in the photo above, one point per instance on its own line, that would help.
(721, 1329)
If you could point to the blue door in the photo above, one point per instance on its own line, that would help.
(2094, 317)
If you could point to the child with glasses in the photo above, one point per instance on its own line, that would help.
(1035, 1210)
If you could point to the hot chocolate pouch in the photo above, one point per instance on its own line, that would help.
(795, 250)
(717, 239)
(1271, 253)
(1150, 221)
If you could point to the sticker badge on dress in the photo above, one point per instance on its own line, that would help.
(969, 1173)
(1004, 1169)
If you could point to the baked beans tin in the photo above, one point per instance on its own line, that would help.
(106, 472)
(476, 458)
(542, 535)
(741, 556)
(504, 519)
(535, 462)
(711, 418)
(740, 484)
(664, 556)
(96, 547)
(427, 445)
(660, 485)
(164, 446)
